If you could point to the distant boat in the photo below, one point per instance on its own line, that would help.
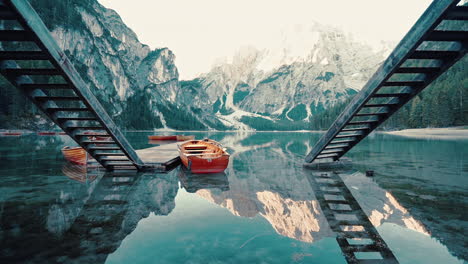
(75, 155)
(11, 133)
(204, 156)
(185, 138)
(92, 136)
(46, 133)
(173, 137)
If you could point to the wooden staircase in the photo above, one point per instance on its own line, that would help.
(437, 41)
(31, 60)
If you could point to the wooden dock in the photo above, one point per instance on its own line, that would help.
(163, 157)
(159, 158)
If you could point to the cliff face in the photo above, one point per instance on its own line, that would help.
(239, 93)
(129, 78)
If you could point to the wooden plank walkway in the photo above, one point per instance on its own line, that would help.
(165, 156)
(160, 158)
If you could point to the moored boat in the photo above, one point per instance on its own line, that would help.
(46, 133)
(76, 155)
(184, 138)
(172, 137)
(204, 156)
(11, 133)
(94, 136)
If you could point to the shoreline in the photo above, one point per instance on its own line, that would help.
(423, 133)
(431, 133)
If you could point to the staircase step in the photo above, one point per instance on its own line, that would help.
(6, 14)
(353, 234)
(67, 109)
(371, 114)
(348, 136)
(364, 248)
(447, 35)
(23, 55)
(103, 148)
(355, 129)
(378, 105)
(457, 13)
(384, 95)
(337, 146)
(433, 54)
(48, 86)
(61, 119)
(405, 83)
(341, 141)
(115, 164)
(92, 135)
(15, 35)
(113, 159)
(362, 122)
(86, 127)
(57, 98)
(417, 70)
(110, 154)
(21, 71)
(98, 142)
(337, 150)
(326, 156)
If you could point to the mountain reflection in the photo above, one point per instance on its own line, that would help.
(86, 222)
(70, 214)
(267, 179)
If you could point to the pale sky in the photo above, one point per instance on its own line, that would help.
(200, 32)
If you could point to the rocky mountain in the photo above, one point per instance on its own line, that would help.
(243, 96)
(132, 80)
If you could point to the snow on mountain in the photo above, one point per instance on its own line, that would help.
(242, 90)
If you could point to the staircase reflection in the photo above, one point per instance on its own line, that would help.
(356, 235)
(265, 180)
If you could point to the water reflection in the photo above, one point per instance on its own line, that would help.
(87, 222)
(85, 215)
(195, 182)
(81, 173)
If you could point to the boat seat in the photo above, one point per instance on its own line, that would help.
(201, 154)
(195, 146)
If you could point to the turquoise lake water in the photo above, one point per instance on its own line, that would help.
(263, 209)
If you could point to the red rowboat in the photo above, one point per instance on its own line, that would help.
(93, 137)
(75, 155)
(173, 137)
(204, 156)
(46, 133)
(184, 138)
(11, 133)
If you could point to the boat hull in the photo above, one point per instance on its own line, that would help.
(46, 133)
(202, 166)
(203, 156)
(184, 138)
(162, 137)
